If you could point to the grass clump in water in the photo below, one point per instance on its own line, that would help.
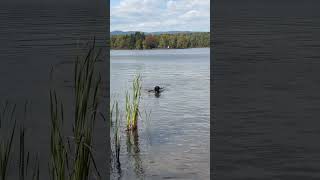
(132, 105)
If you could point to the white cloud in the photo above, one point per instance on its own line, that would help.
(161, 15)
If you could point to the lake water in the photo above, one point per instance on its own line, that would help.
(174, 142)
(36, 36)
(266, 89)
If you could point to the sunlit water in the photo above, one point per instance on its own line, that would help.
(174, 142)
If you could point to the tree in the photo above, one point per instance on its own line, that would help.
(173, 41)
(139, 40)
(139, 44)
(182, 42)
(151, 42)
(132, 41)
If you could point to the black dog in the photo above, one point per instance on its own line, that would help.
(157, 89)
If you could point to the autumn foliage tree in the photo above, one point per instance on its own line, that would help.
(139, 40)
(150, 42)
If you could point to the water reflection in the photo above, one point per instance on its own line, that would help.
(157, 95)
(115, 159)
(118, 164)
(133, 151)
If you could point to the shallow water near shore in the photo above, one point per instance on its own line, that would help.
(174, 142)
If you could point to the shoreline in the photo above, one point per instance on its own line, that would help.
(161, 48)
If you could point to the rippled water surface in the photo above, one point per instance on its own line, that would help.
(34, 38)
(174, 142)
(266, 89)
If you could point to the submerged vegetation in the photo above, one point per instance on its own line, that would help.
(141, 41)
(132, 113)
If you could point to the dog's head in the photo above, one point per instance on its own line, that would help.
(157, 89)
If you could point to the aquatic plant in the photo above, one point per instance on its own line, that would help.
(79, 152)
(58, 152)
(6, 141)
(116, 135)
(133, 150)
(111, 113)
(24, 156)
(36, 169)
(117, 132)
(23, 161)
(132, 107)
(87, 84)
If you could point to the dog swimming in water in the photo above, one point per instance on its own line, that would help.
(156, 90)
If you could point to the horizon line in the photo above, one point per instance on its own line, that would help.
(158, 31)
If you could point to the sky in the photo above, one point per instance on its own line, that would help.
(160, 15)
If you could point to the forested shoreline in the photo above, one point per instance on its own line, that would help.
(140, 40)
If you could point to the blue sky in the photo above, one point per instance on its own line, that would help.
(160, 15)
(114, 2)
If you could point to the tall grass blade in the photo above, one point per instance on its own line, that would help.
(87, 84)
(6, 143)
(58, 153)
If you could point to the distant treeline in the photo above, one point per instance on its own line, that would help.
(140, 40)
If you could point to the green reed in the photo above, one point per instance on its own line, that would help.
(6, 146)
(23, 161)
(87, 84)
(58, 152)
(117, 132)
(132, 105)
(36, 169)
(86, 88)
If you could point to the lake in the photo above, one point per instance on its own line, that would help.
(34, 38)
(174, 142)
(266, 89)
